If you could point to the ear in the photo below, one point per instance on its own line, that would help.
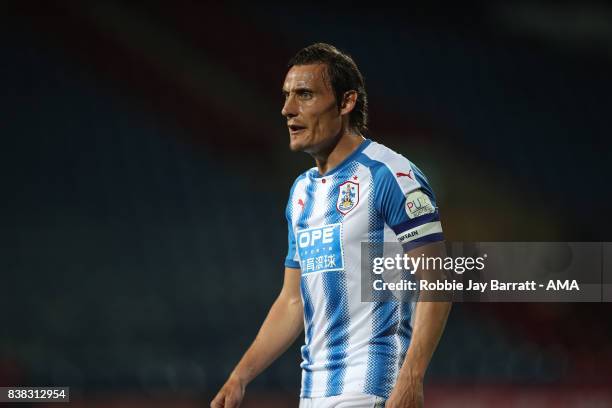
(349, 100)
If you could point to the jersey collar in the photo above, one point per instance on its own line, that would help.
(315, 172)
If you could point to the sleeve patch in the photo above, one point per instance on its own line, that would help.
(417, 204)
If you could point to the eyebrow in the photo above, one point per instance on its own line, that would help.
(298, 90)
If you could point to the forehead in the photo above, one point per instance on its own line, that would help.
(305, 76)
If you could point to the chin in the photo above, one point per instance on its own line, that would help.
(295, 148)
(297, 145)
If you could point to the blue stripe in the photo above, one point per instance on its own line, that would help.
(382, 351)
(308, 307)
(427, 239)
(308, 312)
(337, 335)
(423, 219)
(336, 295)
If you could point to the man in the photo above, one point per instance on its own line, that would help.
(356, 354)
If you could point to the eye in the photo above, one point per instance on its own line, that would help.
(305, 94)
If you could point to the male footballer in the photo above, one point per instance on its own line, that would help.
(355, 354)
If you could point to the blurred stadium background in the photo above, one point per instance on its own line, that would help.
(145, 170)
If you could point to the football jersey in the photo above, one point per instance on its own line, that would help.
(375, 195)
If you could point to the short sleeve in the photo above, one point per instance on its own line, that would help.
(291, 260)
(408, 205)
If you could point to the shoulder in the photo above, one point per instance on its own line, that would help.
(301, 179)
(389, 167)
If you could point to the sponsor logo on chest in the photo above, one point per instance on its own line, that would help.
(320, 249)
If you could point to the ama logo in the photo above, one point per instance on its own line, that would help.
(348, 197)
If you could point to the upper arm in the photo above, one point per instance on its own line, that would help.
(407, 204)
(428, 251)
(291, 284)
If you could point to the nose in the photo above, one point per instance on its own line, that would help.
(289, 108)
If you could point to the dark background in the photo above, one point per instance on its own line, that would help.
(145, 170)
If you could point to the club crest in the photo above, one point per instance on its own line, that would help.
(348, 196)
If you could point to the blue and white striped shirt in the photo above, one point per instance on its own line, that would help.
(374, 195)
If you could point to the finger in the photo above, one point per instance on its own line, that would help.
(217, 402)
(231, 402)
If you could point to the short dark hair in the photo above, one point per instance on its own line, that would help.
(343, 76)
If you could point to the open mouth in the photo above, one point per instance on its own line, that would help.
(294, 129)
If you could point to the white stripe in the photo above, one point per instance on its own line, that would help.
(356, 224)
(318, 344)
(420, 231)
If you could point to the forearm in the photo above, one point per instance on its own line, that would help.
(278, 331)
(429, 321)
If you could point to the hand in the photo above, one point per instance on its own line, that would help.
(406, 395)
(230, 395)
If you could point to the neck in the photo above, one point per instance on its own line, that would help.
(346, 144)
